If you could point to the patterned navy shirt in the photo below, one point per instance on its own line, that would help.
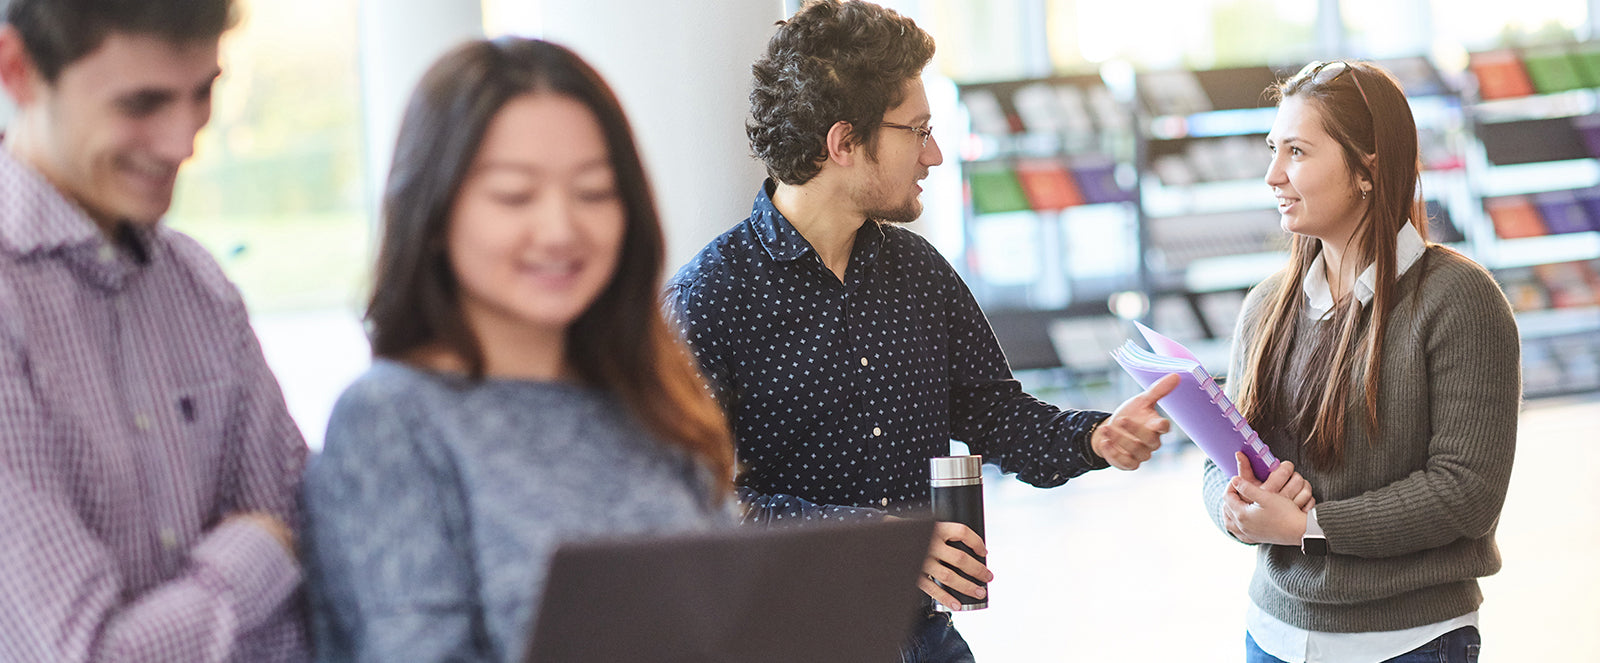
(840, 392)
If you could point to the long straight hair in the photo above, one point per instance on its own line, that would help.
(620, 343)
(1364, 109)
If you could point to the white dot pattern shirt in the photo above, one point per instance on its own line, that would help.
(840, 392)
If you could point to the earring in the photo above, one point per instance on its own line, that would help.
(1363, 194)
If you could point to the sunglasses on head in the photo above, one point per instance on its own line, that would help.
(1321, 73)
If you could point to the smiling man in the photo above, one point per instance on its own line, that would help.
(845, 349)
(148, 466)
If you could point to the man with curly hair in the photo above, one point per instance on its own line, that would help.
(844, 347)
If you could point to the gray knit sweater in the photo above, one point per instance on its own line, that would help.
(1410, 516)
(436, 504)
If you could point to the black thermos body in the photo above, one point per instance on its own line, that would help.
(956, 485)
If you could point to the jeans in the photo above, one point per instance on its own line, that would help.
(935, 640)
(1458, 646)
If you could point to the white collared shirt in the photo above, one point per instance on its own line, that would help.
(1297, 645)
(1319, 297)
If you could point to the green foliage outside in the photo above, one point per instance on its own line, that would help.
(276, 189)
(1252, 32)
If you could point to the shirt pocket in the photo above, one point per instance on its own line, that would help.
(198, 414)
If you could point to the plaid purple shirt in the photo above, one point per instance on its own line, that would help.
(136, 413)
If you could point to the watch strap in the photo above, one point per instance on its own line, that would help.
(1313, 542)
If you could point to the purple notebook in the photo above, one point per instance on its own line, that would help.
(1197, 405)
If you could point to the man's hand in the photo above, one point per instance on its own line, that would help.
(1133, 433)
(940, 551)
(271, 524)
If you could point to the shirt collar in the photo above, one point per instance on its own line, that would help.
(1408, 249)
(778, 237)
(784, 243)
(35, 218)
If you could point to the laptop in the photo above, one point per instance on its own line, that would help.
(824, 593)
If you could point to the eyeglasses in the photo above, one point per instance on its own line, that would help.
(923, 133)
(1325, 73)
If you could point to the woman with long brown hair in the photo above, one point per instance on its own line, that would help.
(1387, 369)
(525, 390)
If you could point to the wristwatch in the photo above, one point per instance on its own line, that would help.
(1313, 542)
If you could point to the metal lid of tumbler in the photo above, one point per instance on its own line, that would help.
(956, 470)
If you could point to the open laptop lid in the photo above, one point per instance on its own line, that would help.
(823, 593)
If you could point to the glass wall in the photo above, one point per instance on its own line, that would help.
(275, 189)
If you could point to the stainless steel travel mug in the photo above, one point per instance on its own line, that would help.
(956, 485)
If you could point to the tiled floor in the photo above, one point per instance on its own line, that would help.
(1120, 566)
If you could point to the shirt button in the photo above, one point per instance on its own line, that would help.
(863, 361)
(107, 253)
(876, 431)
(884, 501)
(142, 423)
(169, 538)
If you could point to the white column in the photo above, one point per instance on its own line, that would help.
(682, 71)
(399, 39)
(1330, 30)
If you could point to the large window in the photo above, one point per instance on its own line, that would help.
(276, 189)
(1166, 34)
(1446, 28)
(979, 39)
(516, 17)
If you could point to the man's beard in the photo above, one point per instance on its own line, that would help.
(903, 214)
(872, 200)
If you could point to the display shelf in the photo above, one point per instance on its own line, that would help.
(1560, 365)
(1233, 272)
(1538, 177)
(1203, 200)
(1552, 286)
(1207, 197)
(1078, 337)
(1179, 177)
(1537, 165)
(1511, 142)
(1537, 170)
(1558, 318)
(1546, 323)
(1038, 168)
(1567, 103)
(1044, 159)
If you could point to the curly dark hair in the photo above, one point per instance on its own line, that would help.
(832, 61)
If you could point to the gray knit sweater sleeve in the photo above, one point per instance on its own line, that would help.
(436, 504)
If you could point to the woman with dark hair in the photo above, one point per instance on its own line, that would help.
(525, 390)
(1386, 369)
